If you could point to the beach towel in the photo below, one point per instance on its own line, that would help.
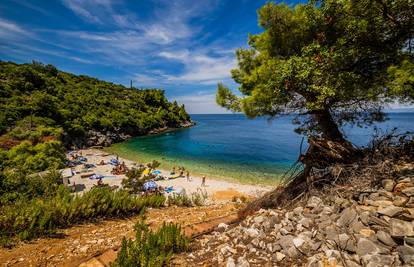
(169, 189)
(96, 176)
(156, 172)
(114, 162)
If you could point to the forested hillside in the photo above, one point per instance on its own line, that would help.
(38, 101)
(42, 112)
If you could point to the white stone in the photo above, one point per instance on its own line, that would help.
(298, 242)
(280, 256)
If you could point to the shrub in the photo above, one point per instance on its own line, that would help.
(42, 216)
(195, 199)
(153, 165)
(134, 181)
(151, 248)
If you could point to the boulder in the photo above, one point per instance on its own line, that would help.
(306, 222)
(409, 191)
(252, 232)
(388, 184)
(385, 238)
(410, 203)
(222, 227)
(374, 260)
(230, 262)
(286, 242)
(400, 201)
(348, 215)
(400, 228)
(259, 219)
(366, 232)
(298, 242)
(280, 256)
(346, 243)
(406, 254)
(242, 262)
(366, 246)
(390, 211)
(314, 202)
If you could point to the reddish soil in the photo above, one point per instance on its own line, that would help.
(82, 242)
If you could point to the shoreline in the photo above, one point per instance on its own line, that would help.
(271, 182)
(218, 190)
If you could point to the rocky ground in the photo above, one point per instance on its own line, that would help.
(370, 226)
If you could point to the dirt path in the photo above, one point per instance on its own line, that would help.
(78, 243)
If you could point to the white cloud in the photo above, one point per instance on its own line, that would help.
(200, 67)
(83, 9)
(11, 31)
(201, 104)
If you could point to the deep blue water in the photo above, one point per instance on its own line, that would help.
(234, 146)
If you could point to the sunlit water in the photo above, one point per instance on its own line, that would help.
(232, 146)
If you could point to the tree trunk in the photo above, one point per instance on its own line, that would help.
(329, 128)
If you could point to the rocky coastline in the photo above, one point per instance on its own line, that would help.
(104, 139)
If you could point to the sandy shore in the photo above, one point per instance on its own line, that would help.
(217, 190)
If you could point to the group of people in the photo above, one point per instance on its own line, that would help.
(181, 171)
(119, 169)
(75, 156)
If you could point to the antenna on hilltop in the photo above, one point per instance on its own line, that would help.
(130, 85)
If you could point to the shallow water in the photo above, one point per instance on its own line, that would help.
(232, 146)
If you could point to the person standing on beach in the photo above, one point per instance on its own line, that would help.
(203, 181)
(188, 176)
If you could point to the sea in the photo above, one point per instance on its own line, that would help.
(231, 146)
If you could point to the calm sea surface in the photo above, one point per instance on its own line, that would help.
(232, 146)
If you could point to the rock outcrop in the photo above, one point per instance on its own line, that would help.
(372, 228)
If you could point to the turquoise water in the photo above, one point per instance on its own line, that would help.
(232, 146)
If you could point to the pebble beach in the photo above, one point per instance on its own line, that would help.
(217, 190)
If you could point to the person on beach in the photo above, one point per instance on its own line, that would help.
(188, 176)
(173, 171)
(203, 181)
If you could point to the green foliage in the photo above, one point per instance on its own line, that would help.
(134, 180)
(183, 200)
(17, 186)
(153, 165)
(40, 95)
(402, 80)
(27, 219)
(28, 158)
(327, 59)
(150, 249)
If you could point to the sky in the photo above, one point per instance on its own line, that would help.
(182, 46)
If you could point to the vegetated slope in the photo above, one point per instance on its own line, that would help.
(38, 100)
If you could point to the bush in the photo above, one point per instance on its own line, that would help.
(42, 216)
(153, 165)
(151, 248)
(134, 180)
(195, 199)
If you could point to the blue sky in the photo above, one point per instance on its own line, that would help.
(182, 46)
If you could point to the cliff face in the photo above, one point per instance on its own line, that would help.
(38, 100)
(96, 138)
